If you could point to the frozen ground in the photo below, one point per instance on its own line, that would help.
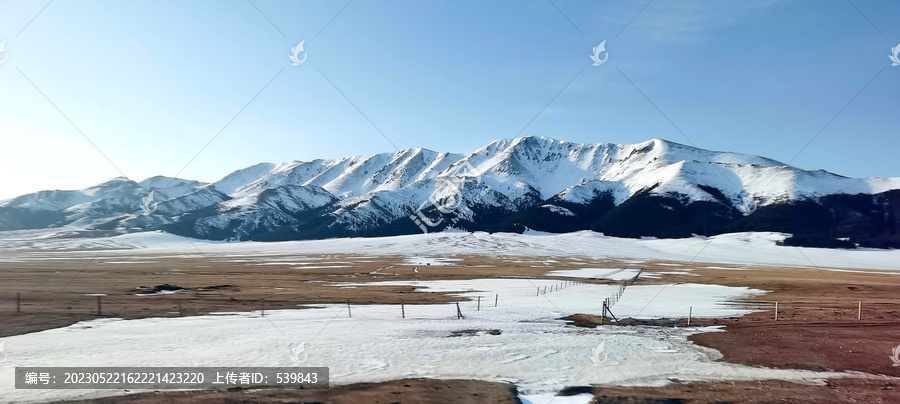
(734, 248)
(521, 340)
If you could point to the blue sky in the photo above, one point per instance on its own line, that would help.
(151, 83)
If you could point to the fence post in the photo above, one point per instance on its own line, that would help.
(479, 304)
(603, 316)
(690, 314)
(497, 296)
(859, 311)
(538, 291)
(402, 309)
(349, 314)
(458, 312)
(776, 311)
(545, 289)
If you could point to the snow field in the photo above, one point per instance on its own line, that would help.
(520, 341)
(754, 249)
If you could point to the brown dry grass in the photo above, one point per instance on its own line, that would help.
(411, 391)
(55, 293)
(817, 326)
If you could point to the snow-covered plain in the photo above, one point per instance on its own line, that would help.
(521, 340)
(755, 249)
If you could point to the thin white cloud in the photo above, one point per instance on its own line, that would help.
(681, 20)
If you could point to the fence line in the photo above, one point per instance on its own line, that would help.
(562, 285)
(108, 306)
(131, 306)
(614, 298)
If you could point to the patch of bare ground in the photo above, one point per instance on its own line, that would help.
(758, 391)
(817, 326)
(817, 329)
(431, 391)
(50, 293)
(411, 391)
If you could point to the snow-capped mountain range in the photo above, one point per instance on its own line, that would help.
(663, 188)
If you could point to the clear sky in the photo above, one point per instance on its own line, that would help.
(150, 83)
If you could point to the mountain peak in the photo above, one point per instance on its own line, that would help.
(380, 191)
(114, 182)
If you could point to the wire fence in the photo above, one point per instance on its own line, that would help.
(173, 305)
(611, 301)
(176, 304)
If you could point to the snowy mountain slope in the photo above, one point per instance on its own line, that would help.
(171, 187)
(275, 211)
(551, 166)
(351, 176)
(536, 182)
(242, 177)
(168, 211)
(593, 189)
(199, 199)
(47, 200)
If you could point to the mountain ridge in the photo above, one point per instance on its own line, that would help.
(506, 185)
